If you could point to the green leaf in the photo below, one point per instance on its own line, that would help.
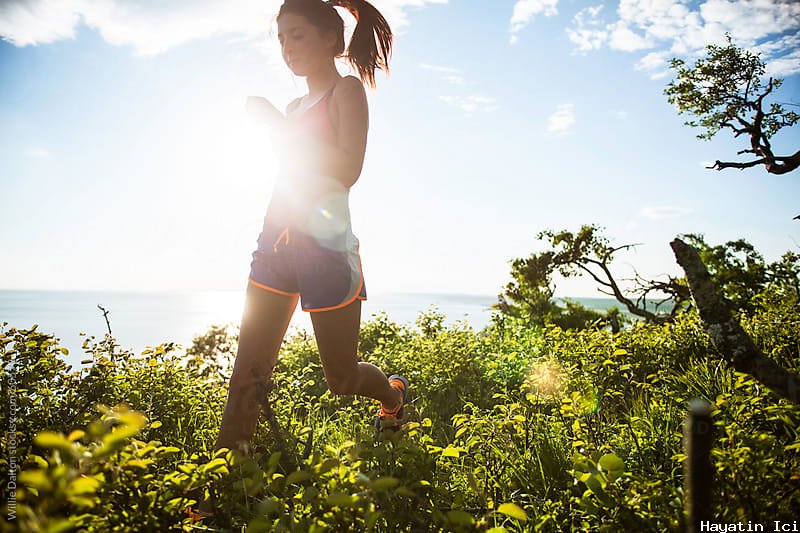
(259, 525)
(61, 525)
(310, 493)
(383, 483)
(404, 491)
(138, 463)
(216, 465)
(514, 511)
(168, 450)
(50, 439)
(461, 518)
(75, 435)
(612, 464)
(328, 465)
(340, 499)
(38, 460)
(83, 485)
(450, 452)
(297, 476)
(35, 478)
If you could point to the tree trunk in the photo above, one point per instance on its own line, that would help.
(726, 333)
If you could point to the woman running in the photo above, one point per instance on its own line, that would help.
(306, 249)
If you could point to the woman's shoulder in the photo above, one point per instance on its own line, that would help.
(348, 84)
(349, 88)
(348, 98)
(351, 79)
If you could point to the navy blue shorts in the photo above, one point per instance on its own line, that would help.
(324, 272)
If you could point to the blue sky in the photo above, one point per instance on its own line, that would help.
(128, 162)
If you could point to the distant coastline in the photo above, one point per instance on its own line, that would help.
(148, 318)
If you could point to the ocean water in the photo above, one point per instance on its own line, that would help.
(142, 319)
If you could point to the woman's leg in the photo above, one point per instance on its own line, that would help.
(265, 320)
(336, 332)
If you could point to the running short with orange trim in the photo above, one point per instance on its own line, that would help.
(324, 271)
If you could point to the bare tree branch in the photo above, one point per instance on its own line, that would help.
(719, 165)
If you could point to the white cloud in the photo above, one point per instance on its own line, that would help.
(439, 68)
(37, 152)
(682, 28)
(591, 12)
(785, 53)
(449, 74)
(662, 212)
(560, 121)
(470, 104)
(525, 10)
(455, 80)
(588, 32)
(784, 66)
(750, 20)
(655, 64)
(622, 115)
(152, 28)
(623, 38)
(26, 23)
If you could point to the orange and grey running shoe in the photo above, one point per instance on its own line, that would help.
(391, 420)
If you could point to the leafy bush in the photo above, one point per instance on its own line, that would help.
(512, 428)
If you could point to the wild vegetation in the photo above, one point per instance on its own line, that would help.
(523, 426)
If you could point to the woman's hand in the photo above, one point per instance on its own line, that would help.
(261, 108)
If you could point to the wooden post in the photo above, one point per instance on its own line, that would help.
(698, 437)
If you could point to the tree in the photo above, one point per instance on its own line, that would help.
(740, 271)
(586, 252)
(724, 90)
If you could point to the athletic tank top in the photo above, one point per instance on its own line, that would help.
(316, 119)
(312, 204)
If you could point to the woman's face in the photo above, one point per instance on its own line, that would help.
(304, 49)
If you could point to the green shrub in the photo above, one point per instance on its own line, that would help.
(512, 428)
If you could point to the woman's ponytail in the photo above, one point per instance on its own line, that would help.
(371, 44)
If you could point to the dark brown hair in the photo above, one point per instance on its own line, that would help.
(371, 43)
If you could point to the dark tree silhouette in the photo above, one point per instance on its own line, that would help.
(586, 251)
(724, 90)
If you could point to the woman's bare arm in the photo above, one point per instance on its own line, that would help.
(352, 125)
